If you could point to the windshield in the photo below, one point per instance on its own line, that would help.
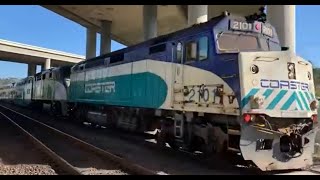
(228, 42)
(237, 42)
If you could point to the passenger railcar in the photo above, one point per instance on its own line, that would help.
(7, 92)
(23, 91)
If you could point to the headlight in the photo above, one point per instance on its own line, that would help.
(291, 71)
(314, 105)
(254, 69)
(256, 102)
(290, 66)
(309, 75)
(291, 75)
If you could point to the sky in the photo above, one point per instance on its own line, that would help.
(35, 25)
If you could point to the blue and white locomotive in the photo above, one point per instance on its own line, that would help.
(222, 85)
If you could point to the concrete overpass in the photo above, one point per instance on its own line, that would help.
(131, 24)
(33, 56)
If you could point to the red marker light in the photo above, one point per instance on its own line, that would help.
(314, 118)
(257, 26)
(247, 118)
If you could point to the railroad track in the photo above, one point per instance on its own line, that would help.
(71, 155)
(184, 156)
(224, 166)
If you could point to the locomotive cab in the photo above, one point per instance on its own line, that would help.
(278, 109)
(236, 34)
(272, 88)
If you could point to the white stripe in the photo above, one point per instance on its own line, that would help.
(302, 102)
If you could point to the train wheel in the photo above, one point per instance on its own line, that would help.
(58, 108)
(172, 143)
(39, 106)
(213, 149)
(52, 109)
(79, 115)
(55, 109)
(112, 119)
(161, 141)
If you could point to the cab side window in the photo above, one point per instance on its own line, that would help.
(191, 51)
(179, 52)
(203, 48)
(197, 50)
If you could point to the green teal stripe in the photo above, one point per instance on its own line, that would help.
(288, 103)
(267, 93)
(276, 100)
(304, 100)
(246, 99)
(299, 102)
(312, 96)
(307, 95)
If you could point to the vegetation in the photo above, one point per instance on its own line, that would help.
(5, 81)
(316, 77)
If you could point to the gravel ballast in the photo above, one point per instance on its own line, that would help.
(17, 155)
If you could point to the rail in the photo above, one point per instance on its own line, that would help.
(121, 162)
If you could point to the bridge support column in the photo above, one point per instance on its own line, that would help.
(105, 42)
(283, 18)
(47, 64)
(91, 43)
(197, 14)
(150, 24)
(32, 69)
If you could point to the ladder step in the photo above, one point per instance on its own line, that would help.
(178, 125)
(233, 149)
(234, 132)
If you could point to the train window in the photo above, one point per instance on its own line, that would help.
(203, 48)
(75, 68)
(94, 63)
(106, 61)
(191, 51)
(157, 48)
(179, 52)
(38, 77)
(237, 42)
(116, 58)
(81, 67)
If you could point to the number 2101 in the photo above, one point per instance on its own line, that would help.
(204, 94)
(241, 25)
